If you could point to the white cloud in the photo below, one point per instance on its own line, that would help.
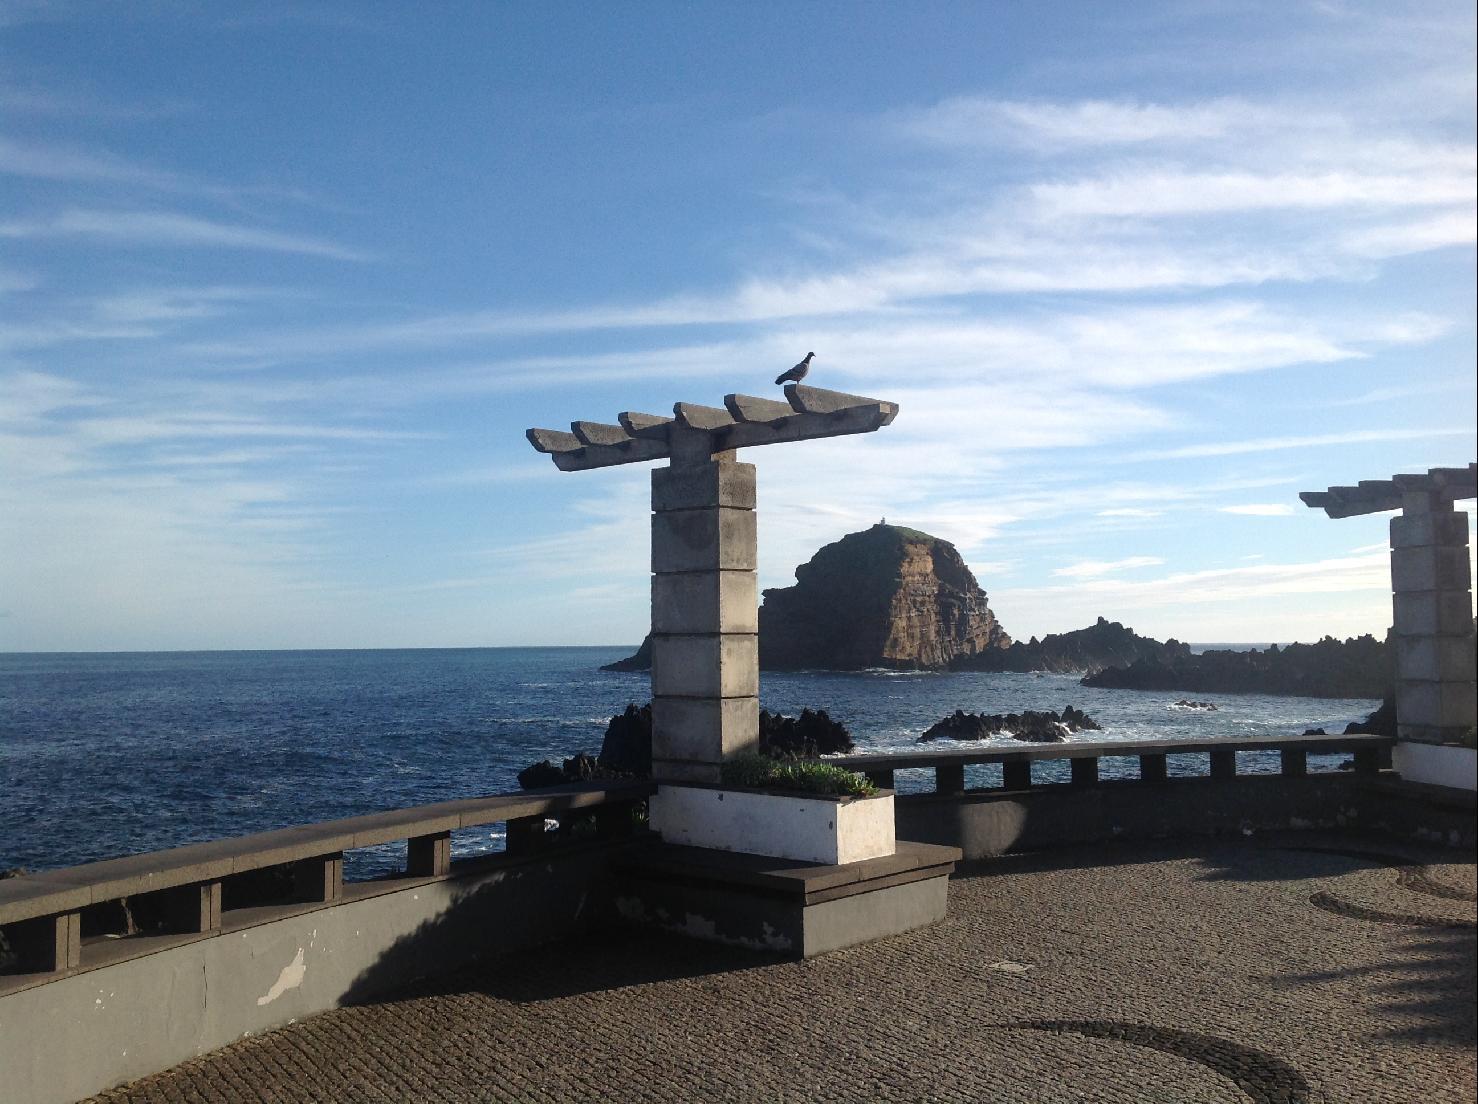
(974, 120)
(1130, 512)
(1091, 569)
(1260, 509)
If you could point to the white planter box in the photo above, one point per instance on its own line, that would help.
(809, 827)
(1436, 764)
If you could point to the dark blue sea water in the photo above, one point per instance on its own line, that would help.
(111, 754)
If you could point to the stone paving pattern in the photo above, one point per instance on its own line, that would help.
(1150, 972)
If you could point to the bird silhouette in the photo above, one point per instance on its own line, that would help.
(796, 374)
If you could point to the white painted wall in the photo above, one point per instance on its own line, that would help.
(783, 826)
(1436, 764)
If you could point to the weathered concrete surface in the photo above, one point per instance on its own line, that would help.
(705, 655)
(1225, 973)
(68, 1038)
(1432, 602)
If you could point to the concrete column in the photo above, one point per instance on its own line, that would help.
(705, 615)
(1433, 607)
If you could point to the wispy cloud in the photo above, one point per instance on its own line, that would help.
(172, 229)
(1092, 569)
(1259, 509)
(1318, 440)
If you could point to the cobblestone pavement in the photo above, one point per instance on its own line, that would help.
(1311, 969)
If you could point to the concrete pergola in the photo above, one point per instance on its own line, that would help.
(705, 593)
(1432, 594)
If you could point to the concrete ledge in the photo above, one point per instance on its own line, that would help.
(786, 908)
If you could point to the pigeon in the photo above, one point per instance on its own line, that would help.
(796, 374)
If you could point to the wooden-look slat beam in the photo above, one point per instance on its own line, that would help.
(553, 440)
(747, 408)
(605, 456)
(600, 433)
(695, 416)
(802, 427)
(646, 426)
(814, 400)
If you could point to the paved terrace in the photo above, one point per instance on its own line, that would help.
(1317, 968)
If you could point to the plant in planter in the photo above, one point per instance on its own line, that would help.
(760, 772)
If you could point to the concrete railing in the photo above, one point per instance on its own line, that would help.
(949, 763)
(185, 890)
(1175, 795)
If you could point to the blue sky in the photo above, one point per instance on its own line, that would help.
(282, 286)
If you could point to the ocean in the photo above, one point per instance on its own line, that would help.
(109, 754)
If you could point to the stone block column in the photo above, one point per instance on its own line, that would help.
(1433, 607)
(705, 616)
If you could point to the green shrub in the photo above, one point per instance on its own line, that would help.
(759, 772)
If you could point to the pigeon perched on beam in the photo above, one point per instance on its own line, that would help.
(796, 374)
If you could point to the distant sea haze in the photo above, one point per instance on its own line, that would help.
(1197, 649)
(111, 754)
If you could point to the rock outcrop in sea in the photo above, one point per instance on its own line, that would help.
(885, 597)
(1361, 667)
(1030, 726)
(626, 749)
(1086, 651)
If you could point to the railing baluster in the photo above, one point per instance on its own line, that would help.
(320, 878)
(882, 779)
(1085, 771)
(49, 944)
(1153, 768)
(949, 778)
(429, 856)
(193, 908)
(524, 835)
(1223, 763)
(614, 821)
(1367, 760)
(1295, 762)
(1016, 774)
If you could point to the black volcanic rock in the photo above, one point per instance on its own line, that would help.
(1087, 651)
(640, 660)
(885, 597)
(1029, 726)
(808, 736)
(1380, 723)
(626, 750)
(627, 745)
(1361, 667)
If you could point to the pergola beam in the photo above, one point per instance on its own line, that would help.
(743, 421)
(1374, 496)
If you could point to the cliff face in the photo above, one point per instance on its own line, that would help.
(884, 597)
(1086, 651)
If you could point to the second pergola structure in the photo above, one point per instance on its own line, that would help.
(1431, 595)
